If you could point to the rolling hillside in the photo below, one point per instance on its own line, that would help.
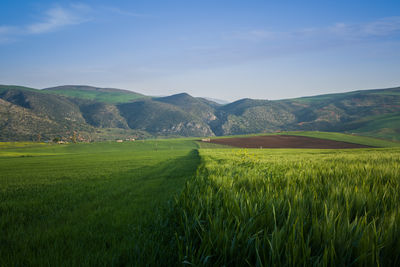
(198, 107)
(163, 119)
(108, 95)
(59, 111)
(369, 112)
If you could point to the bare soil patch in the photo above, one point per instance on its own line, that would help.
(284, 141)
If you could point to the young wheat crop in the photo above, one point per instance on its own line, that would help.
(291, 208)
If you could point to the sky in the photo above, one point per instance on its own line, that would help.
(223, 49)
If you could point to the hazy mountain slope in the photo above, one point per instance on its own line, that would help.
(209, 102)
(162, 118)
(197, 107)
(103, 115)
(383, 126)
(15, 87)
(53, 107)
(108, 95)
(218, 101)
(19, 123)
(343, 112)
(252, 116)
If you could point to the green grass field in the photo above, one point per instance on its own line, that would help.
(357, 139)
(291, 208)
(181, 202)
(86, 204)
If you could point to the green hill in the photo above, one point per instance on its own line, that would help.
(15, 87)
(108, 95)
(367, 112)
(384, 126)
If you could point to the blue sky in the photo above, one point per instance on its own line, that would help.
(220, 49)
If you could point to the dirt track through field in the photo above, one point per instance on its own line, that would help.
(284, 141)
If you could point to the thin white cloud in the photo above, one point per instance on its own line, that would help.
(54, 19)
(59, 17)
(384, 27)
(5, 29)
(5, 34)
(254, 35)
(122, 12)
(259, 44)
(81, 7)
(4, 39)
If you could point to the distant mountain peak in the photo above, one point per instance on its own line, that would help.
(178, 96)
(182, 94)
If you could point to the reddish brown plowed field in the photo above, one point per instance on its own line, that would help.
(284, 141)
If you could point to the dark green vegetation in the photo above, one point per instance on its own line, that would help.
(94, 112)
(88, 204)
(112, 204)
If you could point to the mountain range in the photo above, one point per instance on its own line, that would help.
(92, 113)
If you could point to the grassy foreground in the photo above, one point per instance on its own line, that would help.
(291, 208)
(88, 204)
(112, 204)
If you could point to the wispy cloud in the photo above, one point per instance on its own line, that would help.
(122, 12)
(384, 27)
(255, 35)
(54, 19)
(59, 17)
(6, 32)
(378, 28)
(265, 43)
(4, 29)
